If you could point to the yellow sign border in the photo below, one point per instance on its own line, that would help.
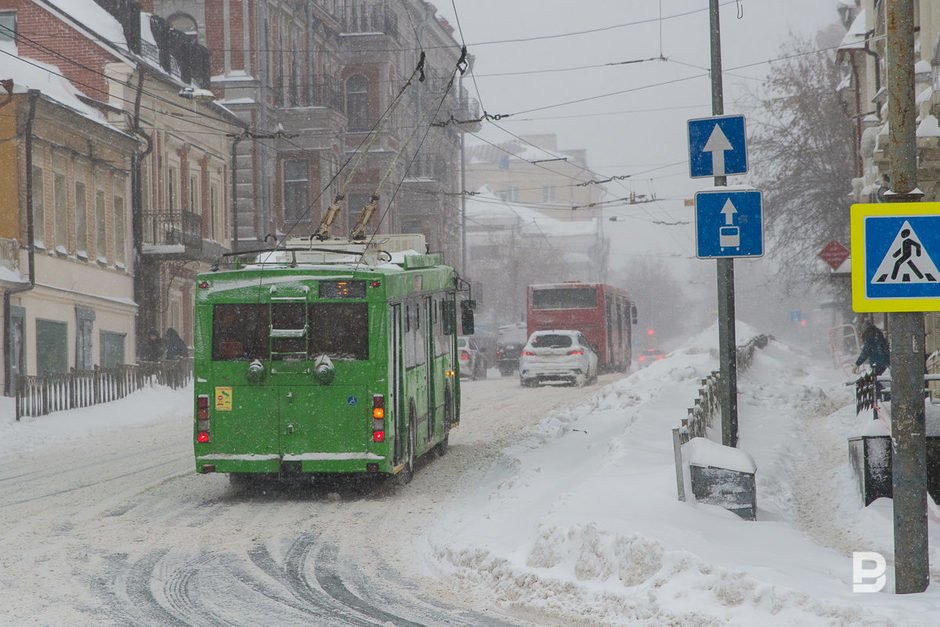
(857, 220)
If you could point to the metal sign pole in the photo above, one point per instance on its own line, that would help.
(909, 461)
(727, 361)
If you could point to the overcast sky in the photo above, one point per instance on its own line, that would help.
(642, 132)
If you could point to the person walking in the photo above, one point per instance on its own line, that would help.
(874, 350)
(152, 350)
(175, 346)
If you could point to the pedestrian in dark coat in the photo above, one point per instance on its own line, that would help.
(175, 346)
(874, 350)
(152, 350)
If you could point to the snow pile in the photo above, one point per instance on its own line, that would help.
(580, 519)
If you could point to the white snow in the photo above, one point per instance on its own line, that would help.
(704, 452)
(579, 520)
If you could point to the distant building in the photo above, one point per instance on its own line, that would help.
(511, 246)
(549, 204)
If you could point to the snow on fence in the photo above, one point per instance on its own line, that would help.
(44, 394)
(707, 405)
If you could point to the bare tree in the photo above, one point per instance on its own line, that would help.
(804, 147)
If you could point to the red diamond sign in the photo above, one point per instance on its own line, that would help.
(834, 254)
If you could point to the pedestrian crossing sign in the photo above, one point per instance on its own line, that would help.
(895, 257)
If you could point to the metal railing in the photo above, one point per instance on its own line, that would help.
(707, 405)
(39, 395)
(164, 228)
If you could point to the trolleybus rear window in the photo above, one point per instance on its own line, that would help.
(565, 298)
(239, 332)
(340, 330)
(279, 331)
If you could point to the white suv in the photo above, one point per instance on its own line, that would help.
(563, 355)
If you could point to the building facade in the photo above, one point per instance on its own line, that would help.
(67, 266)
(331, 116)
(148, 81)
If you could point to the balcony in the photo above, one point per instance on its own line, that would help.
(177, 234)
(368, 17)
(328, 93)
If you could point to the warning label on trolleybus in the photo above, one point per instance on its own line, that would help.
(895, 255)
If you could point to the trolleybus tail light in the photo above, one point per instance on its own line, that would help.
(528, 354)
(375, 284)
(464, 356)
(378, 418)
(576, 352)
(202, 418)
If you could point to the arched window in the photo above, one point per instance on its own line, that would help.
(185, 24)
(357, 103)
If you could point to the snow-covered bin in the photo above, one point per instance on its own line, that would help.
(721, 475)
(870, 456)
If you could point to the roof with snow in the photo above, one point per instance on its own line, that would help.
(31, 74)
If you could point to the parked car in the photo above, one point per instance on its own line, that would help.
(471, 357)
(650, 355)
(558, 355)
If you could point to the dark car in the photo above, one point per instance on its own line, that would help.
(509, 342)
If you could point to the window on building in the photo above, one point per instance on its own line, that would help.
(84, 326)
(195, 201)
(357, 103)
(7, 26)
(119, 234)
(215, 218)
(111, 349)
(296, 190)
(548, 194)
(171, 189)
(60, 202)
(81, 219)
(39, 210)
(52, 351)
(101, 229)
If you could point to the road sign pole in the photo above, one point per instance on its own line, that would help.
(909, 461)
(727, 353)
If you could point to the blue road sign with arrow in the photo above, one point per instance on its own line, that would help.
(717, 146)
(729, 224)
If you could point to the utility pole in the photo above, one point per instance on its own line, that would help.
(908, 449)
(727, 347)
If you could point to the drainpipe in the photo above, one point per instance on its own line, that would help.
(33, 95)
(235, 140)
(872, 53)
(137, 159)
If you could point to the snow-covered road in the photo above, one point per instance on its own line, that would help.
(114, 527)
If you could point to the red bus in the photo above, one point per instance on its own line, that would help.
(603, 313)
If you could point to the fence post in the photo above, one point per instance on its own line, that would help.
(677, 449)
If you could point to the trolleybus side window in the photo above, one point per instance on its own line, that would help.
(340, 330)
(239, 332)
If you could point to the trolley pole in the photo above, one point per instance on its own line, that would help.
(909, 461)
(727, 348)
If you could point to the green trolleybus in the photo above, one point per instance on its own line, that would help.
(326, 357)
